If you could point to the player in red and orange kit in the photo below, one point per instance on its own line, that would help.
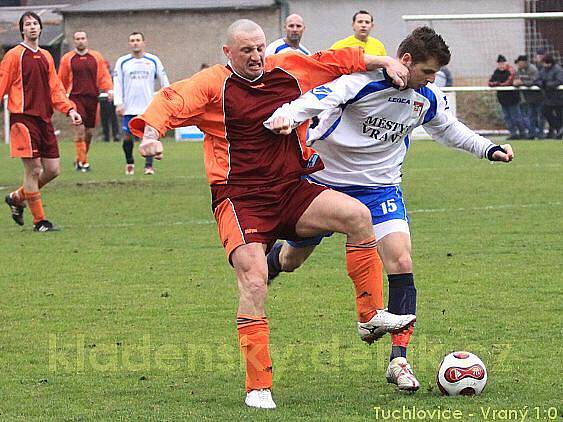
(84, 75)
(28, 76)
(258, 192)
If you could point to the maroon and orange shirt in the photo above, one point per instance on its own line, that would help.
(31, 82)
(85, 74)
(230, 110)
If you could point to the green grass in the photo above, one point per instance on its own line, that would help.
(128, 313)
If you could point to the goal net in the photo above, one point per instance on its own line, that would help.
(476, 40)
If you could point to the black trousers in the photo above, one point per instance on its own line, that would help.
(109, 120)
(553, 115)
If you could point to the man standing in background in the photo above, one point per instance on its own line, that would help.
(531, 107)
(294, 28)
(108, 116)
(362, 24)
(28, 76)
(134, 80)
(508, 100)
(84, 74)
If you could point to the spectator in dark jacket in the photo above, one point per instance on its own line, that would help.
(509, 100)
(550, 77)
(531, 106)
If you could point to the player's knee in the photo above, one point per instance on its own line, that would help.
(35, 172)
(402, 264)
(359, 220)
(292, 258)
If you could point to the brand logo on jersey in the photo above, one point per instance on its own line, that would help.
(417, 107)
(321, 91)
(398, 100)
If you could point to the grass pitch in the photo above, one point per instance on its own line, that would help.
(128, 313)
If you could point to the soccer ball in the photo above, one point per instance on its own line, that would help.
(461, 373)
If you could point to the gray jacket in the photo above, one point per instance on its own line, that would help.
(528, 76)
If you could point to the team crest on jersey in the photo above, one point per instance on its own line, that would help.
(417, 107)
(321, 91)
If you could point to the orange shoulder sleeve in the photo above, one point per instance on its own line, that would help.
(8, 71)
(183, 103)
(321, 67)
(65, 72)
(11, 79)
(104, 78)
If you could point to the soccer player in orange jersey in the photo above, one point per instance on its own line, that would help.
(258, 192)
(84, 75)
(28, 76)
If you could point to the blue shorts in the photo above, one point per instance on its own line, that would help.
(385, 204)
(125, 123)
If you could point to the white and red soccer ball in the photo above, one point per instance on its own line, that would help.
(461, 373)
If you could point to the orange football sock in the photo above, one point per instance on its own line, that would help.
(403, 338)
(364, 268)
(18, 196)
(80, 146)
(35, 206)
(253, 335)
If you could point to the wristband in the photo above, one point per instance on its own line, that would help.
(494, 149)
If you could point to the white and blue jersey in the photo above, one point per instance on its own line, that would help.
(134, 82)
(363, 138)
(280, 46)
(363, 135)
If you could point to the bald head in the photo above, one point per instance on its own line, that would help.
(242, 26)
(245, 47)
(294, 28)
(294, 18)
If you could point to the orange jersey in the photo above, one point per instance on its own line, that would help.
(230, 110)
(84, 74)
(31, 82)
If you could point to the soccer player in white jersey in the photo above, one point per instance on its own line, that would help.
(363, 144)
(294, 28)
(134, 81)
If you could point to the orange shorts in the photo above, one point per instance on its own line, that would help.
(32, 137)
(87, 107)
(261, 214)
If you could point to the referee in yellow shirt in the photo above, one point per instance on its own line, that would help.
(362, 24)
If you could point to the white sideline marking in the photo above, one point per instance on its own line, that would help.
(487, 207)
(428, 210)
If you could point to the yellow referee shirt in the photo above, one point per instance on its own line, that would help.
(373, 46)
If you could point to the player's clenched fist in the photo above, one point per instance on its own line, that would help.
(150, 145)
(151, 148)
(280, 125)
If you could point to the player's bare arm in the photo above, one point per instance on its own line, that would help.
(397, 71)
(150, 145)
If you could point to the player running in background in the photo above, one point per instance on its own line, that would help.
(256, 180)
(84, 75)
(363, 144)
(294, 28)
(28, 76)
(362, 24)
(134, 81)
